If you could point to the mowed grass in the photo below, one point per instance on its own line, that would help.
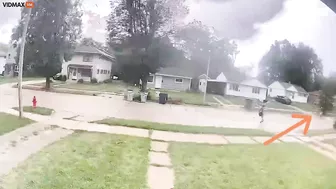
(182, 128)
(277, 166)
(192, 98)
(9, 122)
(37, 110)
(15, 79)
(306, 106)
(87, 161)
(102, 87)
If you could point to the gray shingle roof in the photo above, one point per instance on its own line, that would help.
(285, 85)
(92, 50)
(234, 77)
(175, 71)
(299, 89)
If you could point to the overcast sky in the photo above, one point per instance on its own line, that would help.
(254, 24)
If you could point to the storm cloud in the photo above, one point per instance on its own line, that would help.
(236, 18)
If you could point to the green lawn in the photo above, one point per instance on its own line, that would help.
(15, 79)
(53, 84)
(278, 105)
(306, 106)
(235, 100)
(277, 166)
(9, 123)
(87, 161)
(37, 110)
(102, 87)
(192, 98)
(183, 128)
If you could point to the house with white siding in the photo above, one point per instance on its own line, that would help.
(293, 92)
(170, 78)
(234, 85)
(89, 62)
(2, 62)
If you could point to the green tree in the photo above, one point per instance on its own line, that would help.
(200, 43)
(297, 64)
(139, 32)
(327, 95)
(53, 30)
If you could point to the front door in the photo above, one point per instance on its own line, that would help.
(158, 82)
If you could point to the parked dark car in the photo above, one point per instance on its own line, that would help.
(283, 100)
(57, 77)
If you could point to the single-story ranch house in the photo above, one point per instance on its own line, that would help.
(234, 85)
(171, 78)
(88, 62)
(293, 92)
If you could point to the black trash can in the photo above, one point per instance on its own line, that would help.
(163, 98)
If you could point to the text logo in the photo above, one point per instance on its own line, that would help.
(27, 4)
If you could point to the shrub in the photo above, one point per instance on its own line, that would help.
(108, 80)
(326, 102)
(149, 96)
(80, 81)
(94, 80)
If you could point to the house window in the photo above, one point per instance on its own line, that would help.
(108, 72)
(87, 58)
(97, 71)
(234, 87)
(101, 71)
(200, 83)
(105, 71)
(150, 79)
(178, 80)
(8, 56)
(256, 90)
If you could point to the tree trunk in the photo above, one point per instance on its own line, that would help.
(143, 84)
(47, 87)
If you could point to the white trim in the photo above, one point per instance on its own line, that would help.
(179, 82)
(173, 76)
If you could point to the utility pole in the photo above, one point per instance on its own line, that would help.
(207, 76)
(23, 42)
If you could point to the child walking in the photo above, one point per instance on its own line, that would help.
(261, 110)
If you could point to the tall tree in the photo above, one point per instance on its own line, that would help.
(140, 29)
(201, 44)
(327, 95)
(287, 62)
(53, 31)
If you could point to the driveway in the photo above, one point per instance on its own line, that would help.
(94, 107)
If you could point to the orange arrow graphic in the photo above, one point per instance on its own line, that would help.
(305, 119)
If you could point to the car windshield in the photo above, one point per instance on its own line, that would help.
(162, 94)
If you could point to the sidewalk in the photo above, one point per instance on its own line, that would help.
(154, 135)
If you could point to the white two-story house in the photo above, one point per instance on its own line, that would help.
(88, 62)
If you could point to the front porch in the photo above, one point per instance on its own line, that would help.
(76, 72)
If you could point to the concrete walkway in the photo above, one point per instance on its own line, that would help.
(18, 145)
(160, 171)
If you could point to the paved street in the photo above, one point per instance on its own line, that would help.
(93, 107)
